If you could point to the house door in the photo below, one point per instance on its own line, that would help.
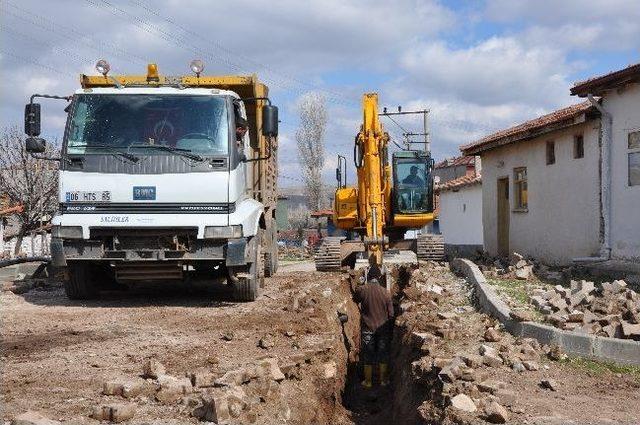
(503, 216)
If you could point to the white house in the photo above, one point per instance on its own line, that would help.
(565, 187)
(540, 186)
(619, 94)
(460, 202)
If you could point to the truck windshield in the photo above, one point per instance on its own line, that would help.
(131, 122)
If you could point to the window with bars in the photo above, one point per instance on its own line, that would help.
(520, 188)
(578, 146)
(551, 152)
(633, 143)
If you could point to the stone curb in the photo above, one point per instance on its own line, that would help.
(602, 348)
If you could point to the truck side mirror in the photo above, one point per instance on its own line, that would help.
(339, 175)
(32, 119)
(269, 120)
(35, 145)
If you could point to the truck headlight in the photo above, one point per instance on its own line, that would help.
(223, 232)
(66, 232)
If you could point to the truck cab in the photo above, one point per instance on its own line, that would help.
(161, 177)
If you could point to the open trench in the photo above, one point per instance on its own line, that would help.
(409, 398)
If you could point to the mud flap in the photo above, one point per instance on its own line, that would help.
(57, 253)
(236, 252)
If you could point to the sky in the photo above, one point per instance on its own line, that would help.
(478, 66)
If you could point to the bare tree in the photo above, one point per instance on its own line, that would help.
(27, 181)
(299, 217)
(310, 141)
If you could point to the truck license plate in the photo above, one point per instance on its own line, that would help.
(84, 196)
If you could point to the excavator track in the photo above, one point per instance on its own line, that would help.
(430, 247)
(328, 255)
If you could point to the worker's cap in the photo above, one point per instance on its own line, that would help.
(241, 122)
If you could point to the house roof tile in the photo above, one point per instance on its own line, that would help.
(596, 85)
(529, 129)
(459, 183)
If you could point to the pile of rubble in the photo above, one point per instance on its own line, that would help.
(465, 384)
(231, 397)
(521, 268)
(211, 396)
(612, 310)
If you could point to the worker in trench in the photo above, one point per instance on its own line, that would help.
(376, 321)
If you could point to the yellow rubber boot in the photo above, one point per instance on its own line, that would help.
(384, 378)
(368, 376)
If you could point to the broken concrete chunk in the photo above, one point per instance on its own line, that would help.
(266, 342)
(472, 360)
(517, 366)
(491, 360)
(556, 353)
(272, 369)
(514, 259)
(492, 335)
(487, 349)
(172, 389)
(33, 418)
(558, 303)
(152, 369)
(491, 386)
(618, 286)
(521, 315)
(114, 413)
(538, 301)
(630, 330)
(524, 273)
(530, 365)
(463, 402)
(203, 378)
(576, 316)
(549, 384)
(496, 414)
(446, 315)
(214, 407)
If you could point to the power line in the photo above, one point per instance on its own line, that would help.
(76, 37)
(183, 43)
(31, 61)
(229, 52)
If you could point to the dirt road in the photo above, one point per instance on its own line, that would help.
(57, 355)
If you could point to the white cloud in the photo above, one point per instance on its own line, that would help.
(498, 70)
(573, 24)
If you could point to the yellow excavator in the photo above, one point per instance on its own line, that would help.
(389, 199)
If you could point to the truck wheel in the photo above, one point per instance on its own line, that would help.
(248, 288)
(80, 285)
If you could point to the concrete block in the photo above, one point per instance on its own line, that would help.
(33, 418)
(619, 350)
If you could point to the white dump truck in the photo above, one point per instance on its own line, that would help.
(163, 178)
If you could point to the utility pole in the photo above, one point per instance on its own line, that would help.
(425, 122)
(427, 136)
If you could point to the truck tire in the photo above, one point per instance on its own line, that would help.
(80, 285)
(248, 288)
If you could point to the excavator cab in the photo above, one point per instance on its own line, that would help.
(412, 192)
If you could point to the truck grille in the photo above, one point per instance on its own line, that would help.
(148, 208)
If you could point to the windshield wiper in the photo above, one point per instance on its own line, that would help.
(115, 151)
(182, 152)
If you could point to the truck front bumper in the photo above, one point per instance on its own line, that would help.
(234, 252)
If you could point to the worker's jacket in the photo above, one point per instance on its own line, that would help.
(375, 305)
